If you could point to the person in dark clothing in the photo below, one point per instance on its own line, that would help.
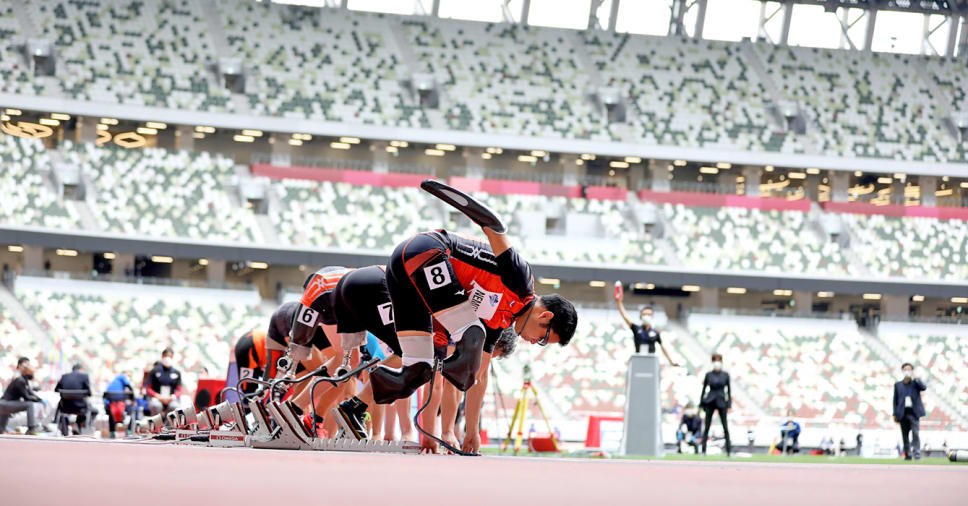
(690, 426)
(716, 395)
(164, 385)
(644, 333)
(790, 437)
(908, 410)
(19, 397)
(75, 381)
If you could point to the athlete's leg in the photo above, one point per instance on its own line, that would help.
(429, 419)
(390, 422)
(448, 413)
(407, 432)
(422, 285)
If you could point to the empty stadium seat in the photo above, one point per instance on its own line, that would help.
(862, 104)
(329, 64)
(751, 239)
(938, 351)
(506, 78)
(158, 192)
(125, 331)
(820, 370)
(911, 247)
(27, 199)
(685, 92)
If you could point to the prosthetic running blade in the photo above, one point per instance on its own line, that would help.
(473, 209)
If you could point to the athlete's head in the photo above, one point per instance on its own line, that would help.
(316, 304)
(552, 319)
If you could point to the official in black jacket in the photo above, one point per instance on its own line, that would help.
(716, 396)
(75, 381)
(19, 397)
(908, 410)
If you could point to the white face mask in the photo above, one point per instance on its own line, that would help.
(717, 366)
(908, 373)
(690, 412)
(166, 362)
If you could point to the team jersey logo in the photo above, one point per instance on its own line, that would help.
(485, 303)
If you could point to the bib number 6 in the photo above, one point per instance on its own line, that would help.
(307, 316)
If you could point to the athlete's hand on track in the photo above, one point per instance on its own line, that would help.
(472, 442)
(451, 439)
(429, 446)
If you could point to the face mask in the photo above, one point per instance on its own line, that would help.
(717, 366)
(690, 412)
(908, 374)
(166, 362)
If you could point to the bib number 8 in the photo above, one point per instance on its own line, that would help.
(437, 275)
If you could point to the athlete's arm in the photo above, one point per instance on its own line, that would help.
(472, 407)
(621, 309)
(499, 242)
(666, 353)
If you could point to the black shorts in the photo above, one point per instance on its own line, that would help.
(362, 303)
(421, 282)
(247, 361)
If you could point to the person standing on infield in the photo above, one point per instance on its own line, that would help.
(908, 410)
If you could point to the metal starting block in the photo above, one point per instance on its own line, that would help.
(276, 425)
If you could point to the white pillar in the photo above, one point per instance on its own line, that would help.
(753, 175)
(928, 185)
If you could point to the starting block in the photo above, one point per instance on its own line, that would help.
(276, 426)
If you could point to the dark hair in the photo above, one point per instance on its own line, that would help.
(717, 355)
(506, 343)
(566, 318)
(22, 360)
(906, 364)
(77, 367)
(167, 351)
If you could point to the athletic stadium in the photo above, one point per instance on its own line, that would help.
(773, 192)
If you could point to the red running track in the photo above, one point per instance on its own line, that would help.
(76, 472)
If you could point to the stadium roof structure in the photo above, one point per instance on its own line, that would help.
(688, 17)
(916, 6)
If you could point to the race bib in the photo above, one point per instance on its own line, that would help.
(307, 316)
(165, 390)
(485, 303)
(437, 275)
(245, 372)
(386, 313)
(907, 402)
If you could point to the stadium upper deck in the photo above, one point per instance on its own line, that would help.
(358, 68)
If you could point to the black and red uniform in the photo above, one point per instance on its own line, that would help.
(250, 357)
(438, 270)
(277, 337)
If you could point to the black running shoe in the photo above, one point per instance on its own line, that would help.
(352, 413)
(392, 384)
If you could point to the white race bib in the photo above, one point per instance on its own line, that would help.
(386, 313)
(437, 275)
(907, 402)
(165, 390)
(485, 303)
